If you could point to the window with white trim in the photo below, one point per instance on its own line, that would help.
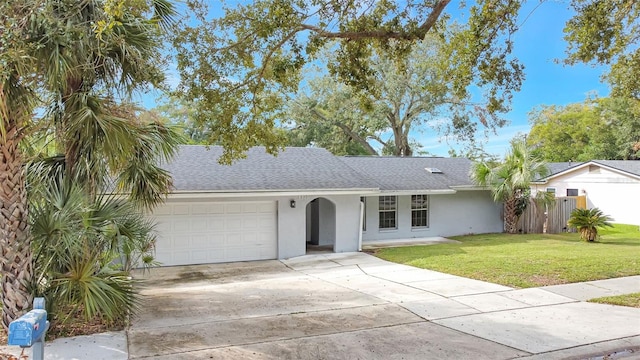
(572, 192)
(419, 211)
(387, 206)
(551, 190)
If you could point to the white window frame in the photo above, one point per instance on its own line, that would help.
(393, 210)
(424, 208)
(551, 190)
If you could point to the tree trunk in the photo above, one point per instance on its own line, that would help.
(15, 258)
(510, 217)
(400, 141)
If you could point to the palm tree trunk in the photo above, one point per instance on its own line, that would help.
(15, 258)
(510, 218)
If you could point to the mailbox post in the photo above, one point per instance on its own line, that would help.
(30, 329)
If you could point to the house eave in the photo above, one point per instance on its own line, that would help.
(470, 187)
(419, 192)
(190, 194)
(539, 182)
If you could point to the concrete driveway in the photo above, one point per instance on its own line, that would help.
(356, 306)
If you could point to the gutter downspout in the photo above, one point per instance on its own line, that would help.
(360, 228)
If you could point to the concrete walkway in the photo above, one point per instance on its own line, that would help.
(551, 322)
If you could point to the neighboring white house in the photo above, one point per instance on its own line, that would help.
(613, 186)
(266, 207)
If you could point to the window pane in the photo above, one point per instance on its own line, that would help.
(419, 218)
(419, 201)
(387, 203)
(419, 211)
(387, 212)
(387, 220)
(572, 192)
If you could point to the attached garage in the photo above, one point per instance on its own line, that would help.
(214, 232)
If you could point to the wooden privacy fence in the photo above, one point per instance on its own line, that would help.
(533, 220)
(558, 215)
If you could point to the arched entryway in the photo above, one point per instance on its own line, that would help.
(321, 225)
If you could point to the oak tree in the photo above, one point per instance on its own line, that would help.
(607, 33)
(406, 96)
(240, 68)
(603, 128)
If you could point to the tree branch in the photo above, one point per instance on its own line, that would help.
(378, 139)
(417, 34)
(347, 131)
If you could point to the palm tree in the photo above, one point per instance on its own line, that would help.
(80, 54)
(84, 247)
(509, 181)
(98, 136)
(17, 102)
(587, 221)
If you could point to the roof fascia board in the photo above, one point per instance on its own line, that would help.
(470, 187)
(266, 193)
(419, 192)
(564, 172)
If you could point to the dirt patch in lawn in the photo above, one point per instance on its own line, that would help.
(546, 280)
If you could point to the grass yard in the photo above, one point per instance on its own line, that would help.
(631, 300)
(529, 260)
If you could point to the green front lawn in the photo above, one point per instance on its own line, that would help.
(529, 260)
(631, 300)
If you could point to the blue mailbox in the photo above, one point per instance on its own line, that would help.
(28, 329)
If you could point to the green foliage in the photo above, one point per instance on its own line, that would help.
(529, 260)
(331, 116)
(240, 69)
(607, 32)
(509, 181)
(82, 61)
(587, 221)
(180, 115)
(631, 300)
(411, 93)
(84, 247)
(605, 129)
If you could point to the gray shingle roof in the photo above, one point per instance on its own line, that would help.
(556, 167)
(196, 168)
(397, 174)
(630, 166)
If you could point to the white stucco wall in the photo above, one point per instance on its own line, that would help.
(617, 195)
(462, 213)
(466, 212)
(342, 229)
(292, 223)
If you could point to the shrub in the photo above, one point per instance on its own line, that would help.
(587, 221)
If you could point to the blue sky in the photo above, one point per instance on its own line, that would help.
(537, 44)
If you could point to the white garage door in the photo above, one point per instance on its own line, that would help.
(214, 232)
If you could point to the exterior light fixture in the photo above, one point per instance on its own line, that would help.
(292, 203)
